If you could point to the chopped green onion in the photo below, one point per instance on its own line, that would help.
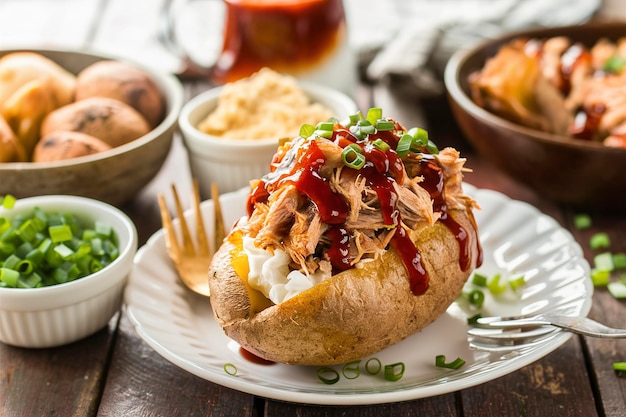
(395, 371)
(351, 370)
(614, 64)
(328, 375)
(603, 261)
(376, 370)
(9, 277)
(582, 221)
(230, 369)
(353, 157)
(479, 280)
(600, 240)
(600, 278)
(440, 361)
(306, 130)
(617, 289)
(325, 126)
(494, 286)
(8, 201)
(384, 125)
(420, 135)
(476, 298)
(619, 260)
(619, 366)
(374, 114)
(517, 282)
(474, 319)
(323, 133)
(404, 145)
(39, 249)
(381, 145)
(60, 233)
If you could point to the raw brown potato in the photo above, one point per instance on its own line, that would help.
(125, 83)
(10, 148)
(18, 68)
(110, 120)
(61, 145)
(353, 314)
(26, 109)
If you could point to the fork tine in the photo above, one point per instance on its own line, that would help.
(201, 237)
(186, 235)
(166, 220)
(220, 232)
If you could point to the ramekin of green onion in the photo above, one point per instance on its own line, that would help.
(64, 262)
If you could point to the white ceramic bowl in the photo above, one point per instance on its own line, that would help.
(114, 176)
(233, 163)
(64, 313)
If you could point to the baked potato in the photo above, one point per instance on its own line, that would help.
(359, 236)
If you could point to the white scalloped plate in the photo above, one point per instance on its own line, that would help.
(516, 238)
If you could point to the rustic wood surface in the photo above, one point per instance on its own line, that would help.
(115, 373)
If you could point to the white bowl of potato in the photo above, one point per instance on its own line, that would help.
(82, 124)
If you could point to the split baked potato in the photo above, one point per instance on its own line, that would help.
(359, 236)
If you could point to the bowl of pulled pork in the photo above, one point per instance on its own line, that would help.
(548, 107)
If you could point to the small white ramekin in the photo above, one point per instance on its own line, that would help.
(233, 163)
(64, 313)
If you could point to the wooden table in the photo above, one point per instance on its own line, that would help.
(115, 373)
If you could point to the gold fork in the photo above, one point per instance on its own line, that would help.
(192, 263)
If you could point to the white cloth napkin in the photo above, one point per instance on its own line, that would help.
(413, 39)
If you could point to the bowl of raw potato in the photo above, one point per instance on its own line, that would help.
(82, 124)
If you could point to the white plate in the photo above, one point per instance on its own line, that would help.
(516, 237)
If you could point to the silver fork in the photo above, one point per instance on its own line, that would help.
(501, 334)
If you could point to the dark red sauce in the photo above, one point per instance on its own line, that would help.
(587, 121)
(286, 35)
(254, 358)
(382, 169)
(573, 56)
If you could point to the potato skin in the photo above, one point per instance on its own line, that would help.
(109, 120)
(63, 144)
(123, 82)
(351, 315)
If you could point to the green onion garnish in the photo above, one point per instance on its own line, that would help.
(8, 201)
(619, 260)
(603, 261)
(306, 130)
(440, 361)
(614, 64)
(230, 369)
(494, 286)
(479, 280)
(351, 370)
(582, 221)
(381, 145)
(384, 125)
(517, 282)
(617, 289)
(395, 371)
(600, 277)
(404, 145)
(352, 156)
(474, 319)
(599, 240)
(328, 375)
(39, 249)
(476, 298)
(374, 114)
(619, 366)
(377, 364)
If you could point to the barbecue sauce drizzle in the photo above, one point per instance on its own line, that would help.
(381, 170)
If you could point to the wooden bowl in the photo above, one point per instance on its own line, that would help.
(113, 176)
(579, 173)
